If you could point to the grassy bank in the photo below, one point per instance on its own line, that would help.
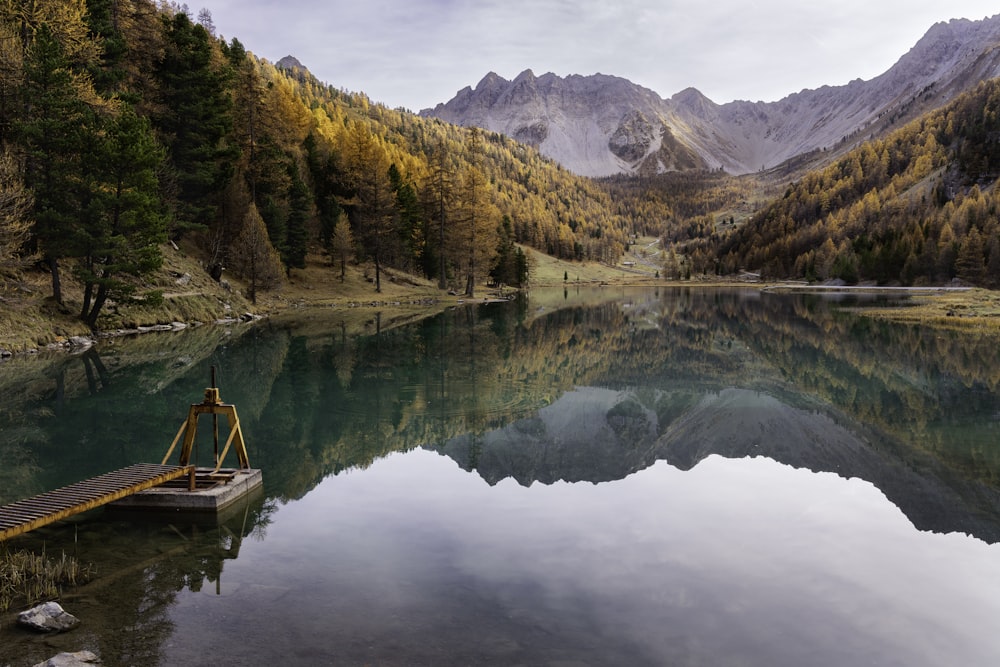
(27, 578)
(548, 271)
(31, 320)
(968, 310)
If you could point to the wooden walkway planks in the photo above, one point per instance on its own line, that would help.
(25, 515)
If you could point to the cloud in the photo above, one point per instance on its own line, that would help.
(416, 53)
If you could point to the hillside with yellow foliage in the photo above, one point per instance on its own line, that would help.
(128, 128)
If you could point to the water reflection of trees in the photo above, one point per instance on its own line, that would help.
(318, 402)
(141, 568)
(936, 390)
(68, 417)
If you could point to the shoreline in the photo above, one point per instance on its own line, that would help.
(861, 289)
(950, 307)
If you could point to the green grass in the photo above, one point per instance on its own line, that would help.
(28, 578)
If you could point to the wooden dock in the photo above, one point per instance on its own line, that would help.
(25, 515)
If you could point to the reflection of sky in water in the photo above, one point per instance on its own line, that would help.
(746, 562)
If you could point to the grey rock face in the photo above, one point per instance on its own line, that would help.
(602, 125)
(48, 617)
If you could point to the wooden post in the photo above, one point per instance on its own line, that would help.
(212, 405)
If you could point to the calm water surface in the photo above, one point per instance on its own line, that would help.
(593, 477)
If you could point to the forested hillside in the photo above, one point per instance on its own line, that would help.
(127, 123)
(918, 207)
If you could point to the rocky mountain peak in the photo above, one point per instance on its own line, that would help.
(525, 76)
(946, 44)
(601, 125)
(490, 82)
(290, 63)
(695, 102)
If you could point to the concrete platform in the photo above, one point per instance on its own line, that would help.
(211, 495)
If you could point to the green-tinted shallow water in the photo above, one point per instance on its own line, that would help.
(602, 477)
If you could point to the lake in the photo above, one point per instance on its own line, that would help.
(584, 476)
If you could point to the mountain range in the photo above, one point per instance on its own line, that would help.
(603, 125)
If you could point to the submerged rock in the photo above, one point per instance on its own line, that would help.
(48, 617)
(81, 342)
(78, 659)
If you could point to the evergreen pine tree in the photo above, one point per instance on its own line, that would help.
(408, 214)
(322, 173)
(122, 218)
(51, 132)
(505, 270)
(439, 192)
(194, 120)
(297, 229)
(106, 20)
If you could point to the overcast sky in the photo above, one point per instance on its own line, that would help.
(416, 53)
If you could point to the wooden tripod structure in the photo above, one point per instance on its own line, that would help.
(212, 405)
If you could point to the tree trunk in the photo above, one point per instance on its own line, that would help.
(99, 299)
(88, 294)
(470, 281)
(252, 287)
(442, 283)
(56, 280)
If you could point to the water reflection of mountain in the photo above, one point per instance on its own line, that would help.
(598, 435)
(319, 398)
